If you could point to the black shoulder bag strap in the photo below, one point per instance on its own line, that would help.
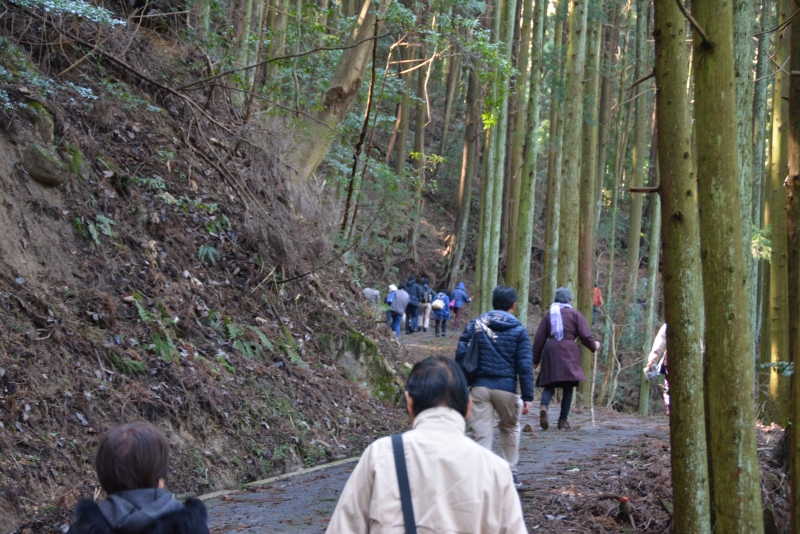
(402, 479)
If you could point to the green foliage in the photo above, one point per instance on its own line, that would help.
(77, 8)
(161, 335)
(782, 368)
(206, 252)
(128, 365)
(761, 246)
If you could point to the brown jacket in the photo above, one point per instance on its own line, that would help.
(561, 360)
(457, 486)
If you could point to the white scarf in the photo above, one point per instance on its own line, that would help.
(556, 324)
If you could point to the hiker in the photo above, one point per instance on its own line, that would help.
(414, 291)
(597, 301)
(457, 299)
(131, 465)
(441, 312)
(556, 350)
(425, 304)
(504, 358)
(388, 302)
(399, 306)
(372, 294)
(453, 484)
(657, 360)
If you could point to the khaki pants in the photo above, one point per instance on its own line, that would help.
(485, 402)
(425, 311)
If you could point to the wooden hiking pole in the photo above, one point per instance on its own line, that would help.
(594, 376)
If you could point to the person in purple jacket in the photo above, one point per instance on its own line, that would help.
(458, 298)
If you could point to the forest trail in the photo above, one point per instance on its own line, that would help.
(548, 463)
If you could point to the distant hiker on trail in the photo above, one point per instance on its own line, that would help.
(131, 465)
(372, 294)
(457, 299)
(657, 360)
(504, 358)
(388, 302)
(399, 305)
(556, 350)
(597, 301)
(441, 312)
(414, 291)
(433, 473)
(425, 304)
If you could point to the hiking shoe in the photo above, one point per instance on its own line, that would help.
(543, 418)
(563, 425)
(517, 483)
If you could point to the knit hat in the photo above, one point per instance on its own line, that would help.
(563, 295)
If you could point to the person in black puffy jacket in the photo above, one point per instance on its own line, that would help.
(505, 358)
(414, 291)
(131, 466)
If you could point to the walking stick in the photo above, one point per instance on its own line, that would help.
(594, 375)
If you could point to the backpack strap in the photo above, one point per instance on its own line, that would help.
(402, 479)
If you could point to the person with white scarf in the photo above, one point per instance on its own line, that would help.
(557, 355)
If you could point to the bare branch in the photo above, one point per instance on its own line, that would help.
(693, 22)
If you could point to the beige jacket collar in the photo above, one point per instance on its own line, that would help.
(440, 419)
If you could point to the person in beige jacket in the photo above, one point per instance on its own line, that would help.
(456, 485)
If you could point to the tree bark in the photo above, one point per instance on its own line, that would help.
(521, 267)
(586, 255)
(778, 405)
(734, 461)
(420, 122)
(453, 77)
(554, 161)
(313, 136)
(468, 162)
(652, 294)
(573, 131)
(683, 307)
(405, 113)
(639, 157)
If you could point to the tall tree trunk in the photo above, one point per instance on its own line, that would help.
(573, 131)
(778, 406)
(405, 112)
(683, 307)
(519, 134)
(453, 77)
(521, 267)
(471, 139)
(586, 255)
(420, 122)
(278, 23)
(734, 461)
(313, 135)
(639, 156)
(554, 160)
(652, 293)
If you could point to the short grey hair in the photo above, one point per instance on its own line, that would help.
(563, 295)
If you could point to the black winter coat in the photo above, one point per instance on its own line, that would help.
(414, 291)
(505, 354)
(191, 519)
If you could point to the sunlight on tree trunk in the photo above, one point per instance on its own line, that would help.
(734, 461)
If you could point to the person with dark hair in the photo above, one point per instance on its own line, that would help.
(504, 359)
(399, 305)
(425, 302)
(458, 298)
(131, 464)
(555, 349)
(414, 291)
(455, 485)
(441, 312)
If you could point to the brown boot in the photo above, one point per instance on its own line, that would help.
(563, 425)
(543, 418)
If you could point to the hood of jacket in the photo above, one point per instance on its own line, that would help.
(500, 321)
(134, 511)
(461, 286)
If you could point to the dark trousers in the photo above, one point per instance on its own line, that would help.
(397, 318)
(566, 400)
(389, 318)
(444, 326)
(412, 318)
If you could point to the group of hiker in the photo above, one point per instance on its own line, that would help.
(417, 303)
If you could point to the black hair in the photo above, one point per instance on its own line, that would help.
(503, 298)
(424, 281)
(402, 286)
(438, 381)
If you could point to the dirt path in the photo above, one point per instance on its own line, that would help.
(547, 460)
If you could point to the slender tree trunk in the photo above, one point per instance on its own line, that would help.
(586, 255)
(471, 139)
(554, 161)
(573, 131)
(527, 199)
(405, 113)
(639, 156)
(519, 135)
(778, 405)
(683, 307)
(734, 461)
(420, 122)
(322, 9)
(279, 21)
(453, 77)
(652, 293)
